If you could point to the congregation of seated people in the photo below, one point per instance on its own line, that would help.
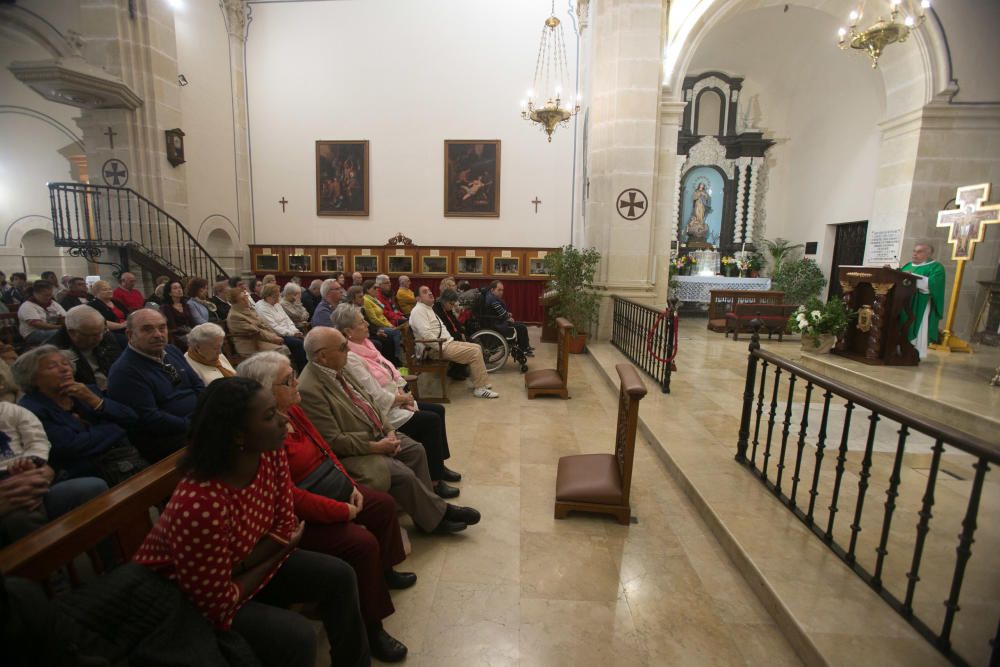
(301, 440)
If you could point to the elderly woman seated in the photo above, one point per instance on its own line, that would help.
(250, 333)
(85, 428)
(424, 422)
(113, 310)
(291, 302)
(343, 518)
(271, 312)
(204, 353)
(30, 494)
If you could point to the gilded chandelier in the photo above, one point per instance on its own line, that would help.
(551, 72)
(904, 16)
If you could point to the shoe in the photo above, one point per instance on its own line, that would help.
(397, 581)
(465, 515)
(468, 381)
(450, 475)
(445, 491)
(529, 353)
(386, 648)
(449, 526)
(485, 392)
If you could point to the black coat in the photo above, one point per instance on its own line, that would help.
(107, 353)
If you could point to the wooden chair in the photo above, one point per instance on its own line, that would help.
(417, 366)
(121, 513)
(603, 482)
(552, 381)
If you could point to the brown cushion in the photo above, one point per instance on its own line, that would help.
(589, 478)
(544, 378)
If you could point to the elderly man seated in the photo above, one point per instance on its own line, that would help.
(427, 326)
(204, 353)
(153, 379)
(405, 298)
(357, 432)
(89, 345)
(311, 297)
(220, 297)
(330, 293)
(128, 294)
(505, 322)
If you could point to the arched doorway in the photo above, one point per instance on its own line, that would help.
(41, 254)
(221, 247)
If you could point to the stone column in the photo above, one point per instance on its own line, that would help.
(626, 58)
(236, 13)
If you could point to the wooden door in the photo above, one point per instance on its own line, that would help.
(848, 250)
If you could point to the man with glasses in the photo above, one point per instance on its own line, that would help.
(154, 379)
(91, 347)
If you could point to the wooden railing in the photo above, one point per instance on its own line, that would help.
(632, 325)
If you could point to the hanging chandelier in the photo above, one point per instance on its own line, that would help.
(904, 16)
(551, 73)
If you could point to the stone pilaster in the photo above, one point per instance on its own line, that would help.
(236, 15)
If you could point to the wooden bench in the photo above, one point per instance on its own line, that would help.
(603, 482)
(122, 513)
(552, 381)
(415, 365)
(722, 302)
(773, 316)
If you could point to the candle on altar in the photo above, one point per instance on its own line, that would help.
(744, 247)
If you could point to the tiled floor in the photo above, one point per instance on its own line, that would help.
(524, 589)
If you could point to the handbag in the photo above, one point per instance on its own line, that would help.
(120, 462)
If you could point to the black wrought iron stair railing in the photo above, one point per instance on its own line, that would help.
(646, 336)
(91, 218)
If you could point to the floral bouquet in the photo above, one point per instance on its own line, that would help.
(729, 266)
(815, 318)
(681, 265)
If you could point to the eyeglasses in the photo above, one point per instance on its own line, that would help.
(172, 373)
(289, 381)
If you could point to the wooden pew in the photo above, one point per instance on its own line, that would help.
(722, 301)
(121, 513)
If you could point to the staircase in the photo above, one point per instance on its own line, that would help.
(89, 219)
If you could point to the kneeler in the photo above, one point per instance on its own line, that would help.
(603, 482)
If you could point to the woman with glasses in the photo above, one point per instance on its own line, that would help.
(343, 519)
(229, 536)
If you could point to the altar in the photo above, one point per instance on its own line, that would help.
(697, 289)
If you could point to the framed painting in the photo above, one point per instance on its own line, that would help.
(399, 264)
(300, 262)
(472, 179)
(703, 195)
(470, 265)
(434, 264)
(366, 263)
(267, 262)
(332, 263)
(506, 266)
(342, 176)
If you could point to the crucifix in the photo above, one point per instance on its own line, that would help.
(536, 201)
(282, 201)
(966, 227)
(110, 134)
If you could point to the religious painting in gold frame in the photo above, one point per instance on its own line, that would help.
(472, 179)
(399, 264)
(342, 176)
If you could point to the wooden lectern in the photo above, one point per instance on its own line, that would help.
(883, 300)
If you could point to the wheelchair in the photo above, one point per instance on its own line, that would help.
(480, 328)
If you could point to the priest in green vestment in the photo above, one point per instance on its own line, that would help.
(928, 303)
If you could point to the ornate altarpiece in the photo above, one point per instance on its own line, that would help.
(714, 134)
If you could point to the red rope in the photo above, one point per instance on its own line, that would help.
(652, 333)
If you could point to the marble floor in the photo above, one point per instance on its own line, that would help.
(521, 588)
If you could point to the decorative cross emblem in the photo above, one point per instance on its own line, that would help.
(282, 201)
(110, 134)
(967, 224)
(632, 199)
(115, 173)
(536, 201)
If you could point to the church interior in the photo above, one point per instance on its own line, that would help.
(775, 222)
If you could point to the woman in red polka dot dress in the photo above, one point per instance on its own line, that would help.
(228, 536)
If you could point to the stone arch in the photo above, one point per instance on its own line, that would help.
(913, 76)
(41, 254)
(221, 245)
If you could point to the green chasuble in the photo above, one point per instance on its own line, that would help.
(935, 279)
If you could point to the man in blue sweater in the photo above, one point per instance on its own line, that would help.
(154, 379)
(505, 319)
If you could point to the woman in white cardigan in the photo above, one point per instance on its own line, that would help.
(204, 353)
(424, 422)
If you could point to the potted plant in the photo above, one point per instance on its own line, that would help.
(799, 279)
(780, 250)
(571, 272)
(820, 324)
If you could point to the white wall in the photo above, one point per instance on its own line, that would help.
(822, 107)
(405, 76)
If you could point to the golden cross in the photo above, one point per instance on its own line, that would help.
(967, 224)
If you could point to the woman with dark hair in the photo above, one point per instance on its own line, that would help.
(202, 308)
(229, 534)
(180, 319)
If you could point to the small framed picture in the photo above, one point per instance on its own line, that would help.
(267, 263)
(506, 266)
(472, 265)
(429, 264)
(536, 266)
(366, 263)
(399, 263)
(332, 263)
(300, 263)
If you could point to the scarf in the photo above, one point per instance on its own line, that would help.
(380, 368)
(195, 356)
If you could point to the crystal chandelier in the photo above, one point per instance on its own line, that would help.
(551, 73)
(904, 16)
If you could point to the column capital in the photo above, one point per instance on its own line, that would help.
(236, 12)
